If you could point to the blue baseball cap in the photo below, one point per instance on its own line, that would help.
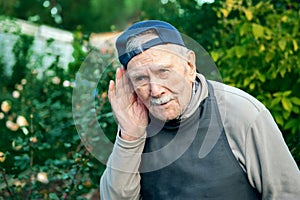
(167, 34)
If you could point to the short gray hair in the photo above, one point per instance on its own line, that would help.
(136, 41)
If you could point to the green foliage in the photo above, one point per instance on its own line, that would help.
(84, 15)
(41, 154)
(20, 51)
(258, 51)
(197, 21)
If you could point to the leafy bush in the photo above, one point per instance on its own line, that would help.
(41, 154)
(258, 52)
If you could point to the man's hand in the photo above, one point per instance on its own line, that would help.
(130, 112)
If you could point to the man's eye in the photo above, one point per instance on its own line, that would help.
(140, 78)
(163, 70)
(163, 73)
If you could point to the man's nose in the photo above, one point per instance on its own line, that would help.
(156, 89)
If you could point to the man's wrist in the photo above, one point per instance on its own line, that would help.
(129, 137)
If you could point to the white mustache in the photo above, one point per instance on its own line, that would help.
(160, 101)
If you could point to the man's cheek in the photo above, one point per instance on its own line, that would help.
(176, 82)
(142, 95)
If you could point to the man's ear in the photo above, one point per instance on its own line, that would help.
(191, 62)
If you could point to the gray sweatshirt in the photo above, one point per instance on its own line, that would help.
(252, 134)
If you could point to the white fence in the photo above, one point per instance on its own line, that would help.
(43, 55)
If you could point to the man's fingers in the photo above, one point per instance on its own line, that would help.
(118, 88)
(123, 87)
(120, 92)
(111, 90)
(118, 77)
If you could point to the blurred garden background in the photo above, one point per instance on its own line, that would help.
(43, 44)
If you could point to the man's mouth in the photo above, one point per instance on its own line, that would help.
(160, 101)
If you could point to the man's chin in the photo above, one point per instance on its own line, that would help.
(164, 118)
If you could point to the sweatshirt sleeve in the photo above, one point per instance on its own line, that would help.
(270, 166)
(121, 179)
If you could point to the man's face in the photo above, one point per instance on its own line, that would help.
(163, 81)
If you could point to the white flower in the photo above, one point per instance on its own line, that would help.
(19, 87)
(42, 177)
(12, 126)
(33, 139)
(21, 121)
(18, 183)
(2, 156)
(5, 107)
(56, 80)
(66, 83)
(1, 115)
(23, 81)
(16, 94)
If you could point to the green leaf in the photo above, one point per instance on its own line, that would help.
(286, 115)
(244, 29)
(295, 45)
(295, 100)
(270, 55)
(278, 118)
(287, 93)
(53, 196)
(282, 44)
(275, 101)
(291, 123)
(262, 78)
(65, 176)
(214, 55)
(249, 14)
(286, 103)
(68, 145)
(240, 51)
(225, 12)
(296, 109)
(246, 82)
(282, 72)
(268, 34)
(257, 30)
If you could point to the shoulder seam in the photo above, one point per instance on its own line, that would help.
(259, 106)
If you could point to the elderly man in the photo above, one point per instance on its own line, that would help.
(184, 137)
